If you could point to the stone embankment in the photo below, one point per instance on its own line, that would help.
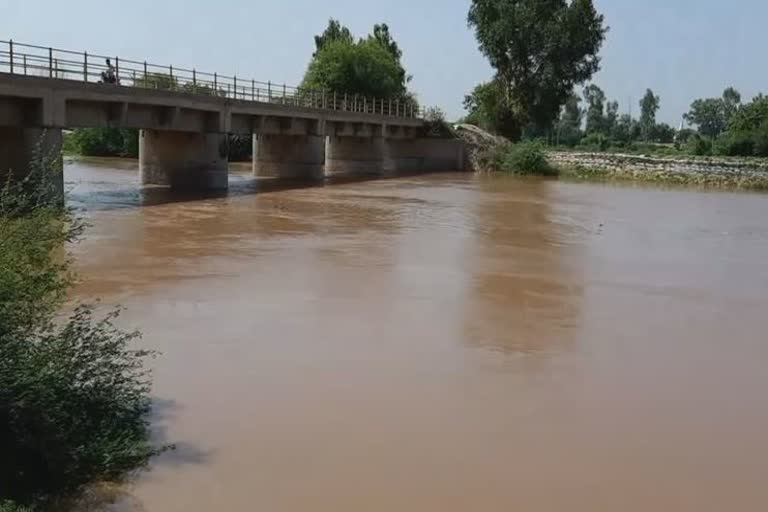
(726, 172)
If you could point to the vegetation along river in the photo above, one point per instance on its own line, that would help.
(443, 342)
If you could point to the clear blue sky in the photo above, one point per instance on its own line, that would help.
(682, 49)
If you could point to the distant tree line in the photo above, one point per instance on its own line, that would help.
(544, 51)
(599, 124)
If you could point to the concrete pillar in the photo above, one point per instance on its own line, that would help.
(288, 156)
(355, 155)
(20, 147)
(195, 161)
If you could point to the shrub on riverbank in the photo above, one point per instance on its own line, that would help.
(522, 159)
(74, 394)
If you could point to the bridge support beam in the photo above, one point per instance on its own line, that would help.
(355, 156)
(196, 161)
(19, 147)
(288, 156)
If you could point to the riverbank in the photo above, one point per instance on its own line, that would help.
(489, 153)
(738, 173)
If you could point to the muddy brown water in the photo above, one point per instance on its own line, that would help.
(441, 343)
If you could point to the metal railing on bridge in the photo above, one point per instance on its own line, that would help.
(41, 61)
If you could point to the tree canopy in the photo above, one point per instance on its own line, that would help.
(368, 67)
(365, 68)
(540, 50)
(713, 115)
(335, 31)
(486, 107)
(595, 99)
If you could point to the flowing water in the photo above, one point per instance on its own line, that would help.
(441, 343)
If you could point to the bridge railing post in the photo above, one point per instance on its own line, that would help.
(194, 81)
(269, 92)
(216, 84)
(10, 54)
(50, 62)
(117, 69)
(145, 74)
(235, 86)
(24, 60)
(284, 93)
(85, 67)
(253, 90)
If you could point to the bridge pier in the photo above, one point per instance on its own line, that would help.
(19, 147)
(184, 160)
(288, 156)
(355, 155)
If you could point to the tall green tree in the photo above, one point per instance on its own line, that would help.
(382, 36)
(624, 131)
(595, 99)
(569, 125)
(540, 50)
(335, 31)
(708, 115)
(649, 106)
(611, 116)
(487, 108)
(731, 103)
(713, 115)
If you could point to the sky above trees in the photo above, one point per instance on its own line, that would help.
(682, 49)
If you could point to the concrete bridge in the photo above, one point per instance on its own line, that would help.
(185, 117)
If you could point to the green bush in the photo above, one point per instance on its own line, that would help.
(761, 140)
(698, 145)
(596, 141)
(74, 395)
(526, 158)
(734, 144)
(9, 506)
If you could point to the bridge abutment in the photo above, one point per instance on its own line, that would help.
(423, 155)
(288, 156)
(355, 156)
(20, 147)
(196, 161)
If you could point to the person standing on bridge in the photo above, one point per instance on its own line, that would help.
(109, 76)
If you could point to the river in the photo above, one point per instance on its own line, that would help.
(440, 343)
